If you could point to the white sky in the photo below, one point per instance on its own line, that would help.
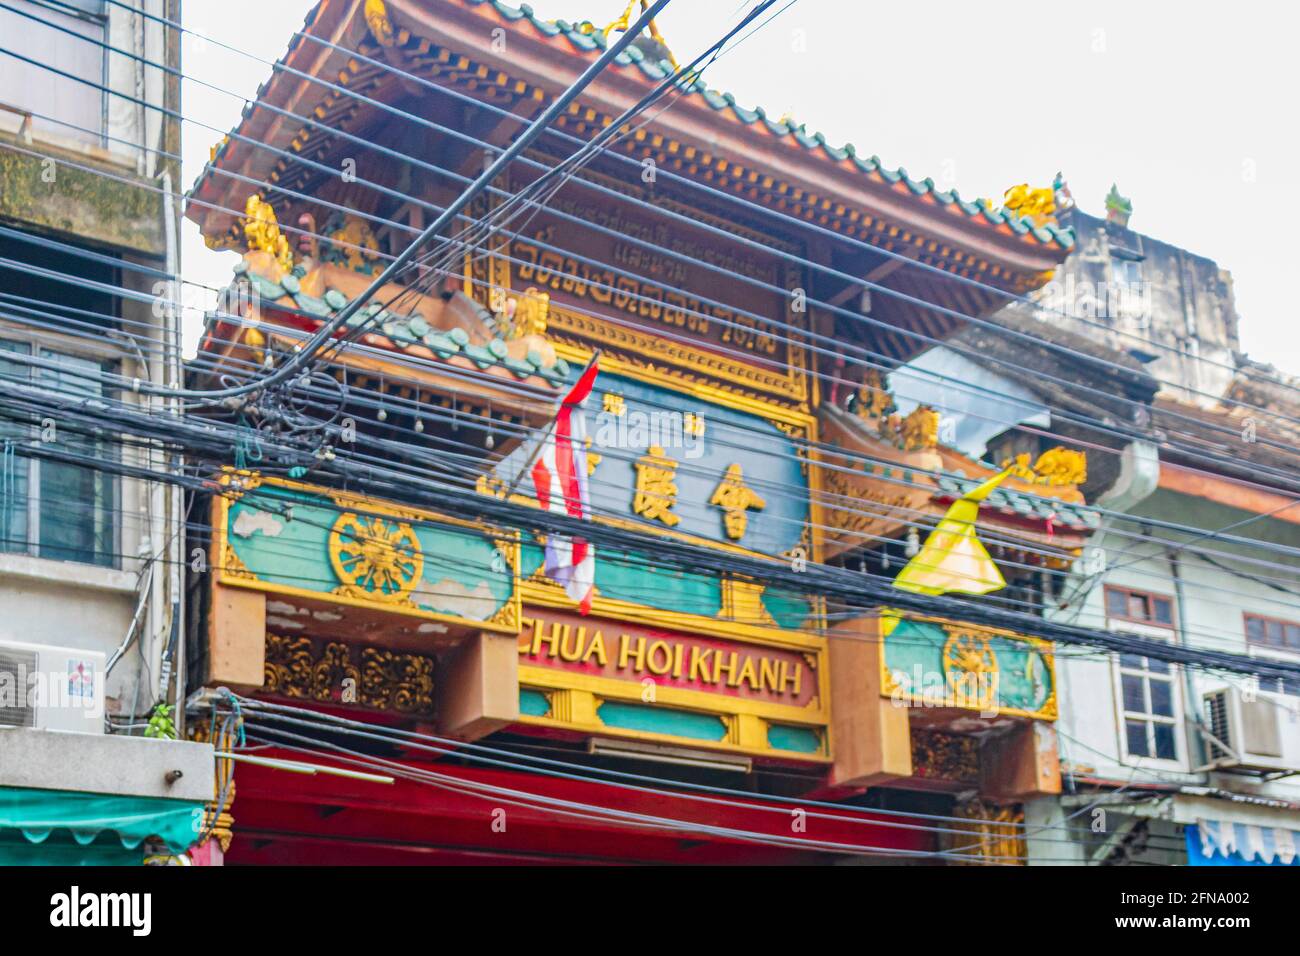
(1188, 106)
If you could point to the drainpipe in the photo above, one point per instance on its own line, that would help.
(1139, 475)
(1193, 705)
(176, 546)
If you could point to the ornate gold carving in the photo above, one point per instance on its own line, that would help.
(532, 313)
(383, 680)
(656, 491)
(217, 822)
(874, 400)
(735, 498)
(352, 244)
(508, 614)
(262, 231)
(917, 431)
(375, 558)
(954, 757)
(649, 351)
(381, 27)
(993, 836)
(743, 601)
(400, 682)
(614, 404)
(232, 565)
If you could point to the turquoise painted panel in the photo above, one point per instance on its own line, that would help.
(661, 720)
(631, 578)
(802, 740)
(790, 610)
(533, 703)
(914, 658)
(282, 536)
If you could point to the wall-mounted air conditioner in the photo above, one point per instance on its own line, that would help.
(51, 688)
(1260, 731)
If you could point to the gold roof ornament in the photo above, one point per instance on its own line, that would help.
(873, 399)
(381, 27)
(623, 22)
(1036, 205)
(532, 312)
(262, 231)
(1056, 466)
(918, 430)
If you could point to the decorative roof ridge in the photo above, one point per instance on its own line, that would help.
(401, 332)
(786, 128)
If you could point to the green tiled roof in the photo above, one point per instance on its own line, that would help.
(1013, 502)
(633, 58)
(401, 332)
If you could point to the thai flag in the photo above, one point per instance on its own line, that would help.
(560, 480)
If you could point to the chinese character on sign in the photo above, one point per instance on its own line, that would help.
(735, 498)
(656, 492)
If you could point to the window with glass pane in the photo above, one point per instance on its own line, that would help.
(1273, 632)
(1147, 695)
(62, 35)
(15, 470)
(54, 509)
(1139, 606)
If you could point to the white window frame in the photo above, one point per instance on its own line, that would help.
(1177, 720)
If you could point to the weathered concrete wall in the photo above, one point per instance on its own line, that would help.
(1179, 310)
(124, 766)
(55, 196)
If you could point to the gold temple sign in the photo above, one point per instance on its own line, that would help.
(735, 498)
(643, 299)
(656, 491)
(631, 652)
(666, 310)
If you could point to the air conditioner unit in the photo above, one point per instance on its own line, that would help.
(51, 688)
(1262, 730)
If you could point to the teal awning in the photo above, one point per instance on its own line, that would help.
(68, 828)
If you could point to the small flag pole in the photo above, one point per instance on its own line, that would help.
(537, 449)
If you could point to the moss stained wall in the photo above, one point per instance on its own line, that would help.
(89, 206)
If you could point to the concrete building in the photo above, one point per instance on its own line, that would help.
(1163, 764)
(1192, 468)
(90, 597)
(1169, 308)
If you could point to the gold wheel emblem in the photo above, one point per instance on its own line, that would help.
(971, 669)
(375, 558)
